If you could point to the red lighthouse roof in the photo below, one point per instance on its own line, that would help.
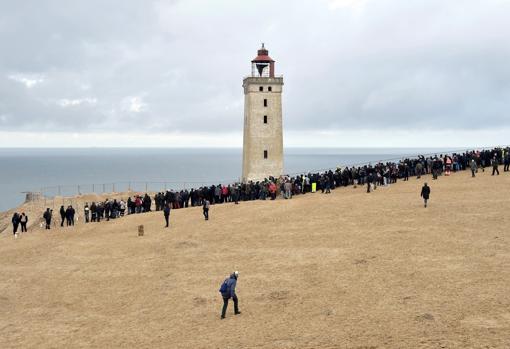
(262, 55)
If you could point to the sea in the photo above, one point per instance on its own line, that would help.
(70, 171)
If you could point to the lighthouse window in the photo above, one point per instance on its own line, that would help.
(261, 88)
(265, 119)
(265, 154)
(265, 102)
(270, 89)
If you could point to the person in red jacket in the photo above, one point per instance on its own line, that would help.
(272, 190)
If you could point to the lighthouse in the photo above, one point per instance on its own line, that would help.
(263, 128)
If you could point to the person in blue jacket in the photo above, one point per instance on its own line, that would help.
(228, 290)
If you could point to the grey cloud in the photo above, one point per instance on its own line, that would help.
(378, 64)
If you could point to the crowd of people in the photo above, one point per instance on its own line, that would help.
(380, 174)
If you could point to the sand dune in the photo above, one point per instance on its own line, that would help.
(346, 270)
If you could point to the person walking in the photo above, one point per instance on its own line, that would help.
(166, 213)
(370, 179)
(23, 220)
(474, 167)
(15, 223)
(425, 193)
(205, 207)
(495, 164)
(228, 290)
(62, 215)
(47, 218)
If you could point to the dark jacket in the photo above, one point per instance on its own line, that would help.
(16, 218)
(425, 192)
(231, 287)
(166, 211)
(47, 216)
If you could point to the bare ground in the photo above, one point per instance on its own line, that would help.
(346, 270)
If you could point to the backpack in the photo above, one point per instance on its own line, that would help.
(224, 287)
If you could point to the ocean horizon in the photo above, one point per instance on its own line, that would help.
(67, 171)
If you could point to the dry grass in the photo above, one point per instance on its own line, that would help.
(346, 270)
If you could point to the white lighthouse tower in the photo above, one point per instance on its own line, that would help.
(263, 129)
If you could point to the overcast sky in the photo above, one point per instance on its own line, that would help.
(169, 73)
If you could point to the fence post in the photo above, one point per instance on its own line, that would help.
(113, 185)
(129, 186)
(146, 186)
(103, 189)
(93, 188)
(59, 190)
(165, 186)
(79, 191)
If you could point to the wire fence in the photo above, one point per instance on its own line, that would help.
(122, 187)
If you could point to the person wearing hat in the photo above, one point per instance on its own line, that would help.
(228, 290)
(425, 193)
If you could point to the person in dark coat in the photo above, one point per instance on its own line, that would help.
(425, 193)
(230, 293)
(47, 218)
(62, 215)
(93, 212)
(107, 209)
(70, 215)
(15, 223)
(23, 220)
(166, 213)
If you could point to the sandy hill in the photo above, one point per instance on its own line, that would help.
(346, 270)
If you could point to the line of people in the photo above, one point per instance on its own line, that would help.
(380, 174)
